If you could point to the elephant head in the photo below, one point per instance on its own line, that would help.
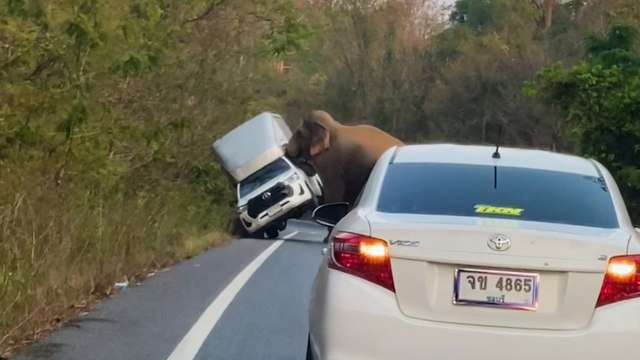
(312, 136)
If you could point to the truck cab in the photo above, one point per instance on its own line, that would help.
(274, 194)
(270, 188)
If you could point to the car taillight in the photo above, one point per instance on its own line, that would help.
(621, 281)
(362, 256)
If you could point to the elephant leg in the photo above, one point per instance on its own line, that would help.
(333, 189)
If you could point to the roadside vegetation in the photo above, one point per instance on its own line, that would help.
(108, 110)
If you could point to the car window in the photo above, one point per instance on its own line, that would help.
(473, 190)
(262, 176)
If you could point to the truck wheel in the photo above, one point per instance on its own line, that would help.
(238, 229)
(272, 233)
(282, 225)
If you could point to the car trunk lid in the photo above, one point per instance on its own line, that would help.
(562, 268)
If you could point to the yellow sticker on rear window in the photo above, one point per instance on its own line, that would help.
(498, 210)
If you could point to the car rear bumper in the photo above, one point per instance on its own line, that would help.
(353, 319)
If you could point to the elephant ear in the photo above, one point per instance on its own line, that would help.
(319, 139)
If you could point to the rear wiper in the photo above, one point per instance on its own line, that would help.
(496, 155)
(495, 177)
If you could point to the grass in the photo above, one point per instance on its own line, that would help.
(64, 247)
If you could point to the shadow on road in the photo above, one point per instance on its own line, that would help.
(42, 351)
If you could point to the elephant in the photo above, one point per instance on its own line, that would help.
(342, 155)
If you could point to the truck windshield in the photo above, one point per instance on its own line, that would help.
(263, 176)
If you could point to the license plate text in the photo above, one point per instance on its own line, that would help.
(494, 288)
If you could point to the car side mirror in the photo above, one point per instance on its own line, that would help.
(330, 214)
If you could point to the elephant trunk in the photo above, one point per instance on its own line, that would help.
(292, 150)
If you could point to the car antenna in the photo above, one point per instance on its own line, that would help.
(496, 154)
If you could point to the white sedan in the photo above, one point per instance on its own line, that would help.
(452, 253)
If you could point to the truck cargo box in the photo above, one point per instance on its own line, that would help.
(252, 145)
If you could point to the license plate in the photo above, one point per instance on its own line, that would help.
(274, 211)
(512, 290)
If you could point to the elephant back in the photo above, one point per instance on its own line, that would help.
(361, 146)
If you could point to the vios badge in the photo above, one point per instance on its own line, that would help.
(499, 242)
(266, 195)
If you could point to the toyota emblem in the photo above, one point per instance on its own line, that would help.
(266, 195)
(499, 242)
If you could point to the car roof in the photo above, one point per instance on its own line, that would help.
(482, 155)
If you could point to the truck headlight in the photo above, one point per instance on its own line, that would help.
(292, 179)
(242, 208)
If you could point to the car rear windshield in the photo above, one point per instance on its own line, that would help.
(262, 176)
(510, 192)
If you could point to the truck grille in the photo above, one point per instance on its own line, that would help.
(267, 199)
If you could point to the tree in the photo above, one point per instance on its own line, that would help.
(108, 109)
(601, 101)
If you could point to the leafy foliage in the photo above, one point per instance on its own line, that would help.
(107, 115)
(601, 97)
(108, 110)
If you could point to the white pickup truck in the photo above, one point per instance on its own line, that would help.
(270, 188)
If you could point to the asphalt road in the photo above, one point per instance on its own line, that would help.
(246, 300)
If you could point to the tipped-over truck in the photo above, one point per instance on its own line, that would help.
(270, 188)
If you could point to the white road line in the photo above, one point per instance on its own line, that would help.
(191, 343)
